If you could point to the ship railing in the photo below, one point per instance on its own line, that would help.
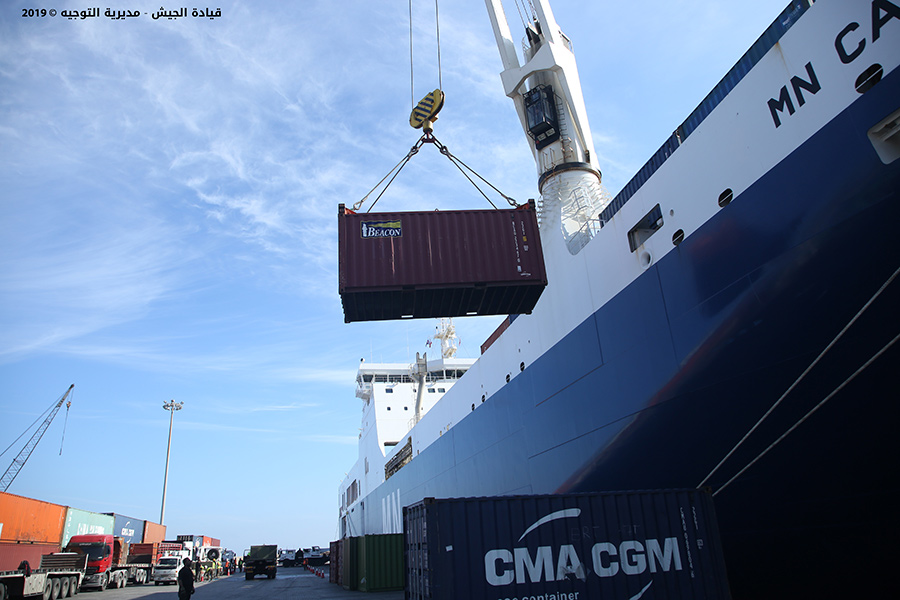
(364, 391)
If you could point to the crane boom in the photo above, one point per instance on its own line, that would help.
(20, 460)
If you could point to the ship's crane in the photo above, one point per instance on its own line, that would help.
(546, 91)
(19, 461)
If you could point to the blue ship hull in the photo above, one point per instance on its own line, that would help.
(657, 386)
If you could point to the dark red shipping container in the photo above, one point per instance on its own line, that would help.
(12, 554)
(439, 263)
(143, 553)
(336, 559)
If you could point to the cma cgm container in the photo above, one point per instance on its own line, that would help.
(82, 522)
(439, 263)
(128, 528)
(664, 544)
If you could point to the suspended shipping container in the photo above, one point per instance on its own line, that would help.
(154, 532)
(563, 547)
(129, 529)
(439, 263)
(81, 522)
(26, 520)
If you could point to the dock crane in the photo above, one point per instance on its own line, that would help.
(19, 461)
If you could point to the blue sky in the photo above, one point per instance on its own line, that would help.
(168, 225)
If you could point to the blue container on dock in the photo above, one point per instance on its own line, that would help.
(128, 528)
(655, 544)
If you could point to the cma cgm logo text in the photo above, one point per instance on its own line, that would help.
(630, 557)
(378, 229)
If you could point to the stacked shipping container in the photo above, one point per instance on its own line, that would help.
(129, 529)
(31, 528)
(28, 529)
(200, 540)
(153, 532)
(81, 522)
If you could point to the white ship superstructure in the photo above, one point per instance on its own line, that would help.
(395, 397)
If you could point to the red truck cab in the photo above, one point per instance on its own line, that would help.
(104, 552)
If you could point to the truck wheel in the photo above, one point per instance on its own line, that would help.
(48, 589)
(104, 581)
(2, 592)
(63, 587)
(73, 585)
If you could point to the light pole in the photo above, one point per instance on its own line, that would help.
(170, 406)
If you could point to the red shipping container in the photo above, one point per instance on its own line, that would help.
(12, 554)
(26, 520)
(143, 553)
(154, 532)
(439, 263)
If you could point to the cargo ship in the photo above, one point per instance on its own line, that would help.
(728, 320)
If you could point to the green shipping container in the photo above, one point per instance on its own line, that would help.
(381, 563)
(81, 522)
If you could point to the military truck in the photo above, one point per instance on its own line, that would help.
(261, 560)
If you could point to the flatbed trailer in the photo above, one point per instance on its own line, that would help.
(59, 576)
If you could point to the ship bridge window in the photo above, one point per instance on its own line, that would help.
(444, 375)
(388, 390)
(430, 390)
(646, 227)
(441, 390)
